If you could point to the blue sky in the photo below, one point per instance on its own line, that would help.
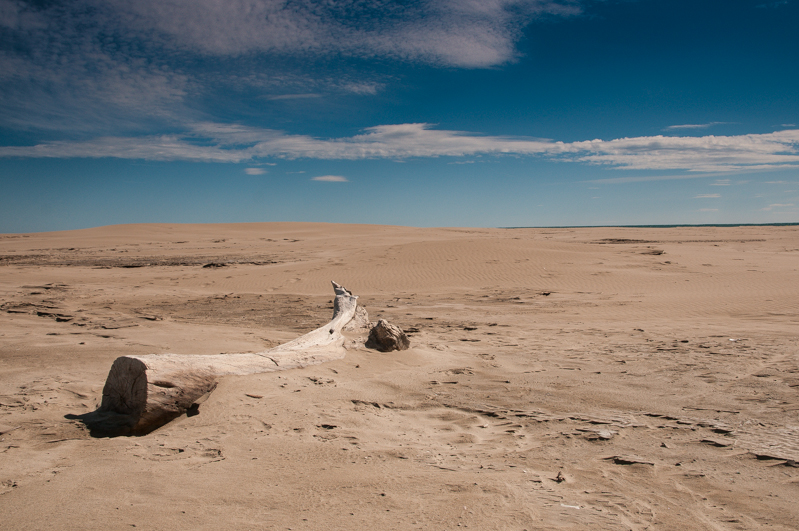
(425, 113)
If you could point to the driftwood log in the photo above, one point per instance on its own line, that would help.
(152, 390)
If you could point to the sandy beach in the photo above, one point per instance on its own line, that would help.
(586, 378)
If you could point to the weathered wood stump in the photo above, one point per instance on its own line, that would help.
(152, 390)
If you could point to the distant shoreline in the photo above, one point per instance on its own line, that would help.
(657, 226)
(4, 235)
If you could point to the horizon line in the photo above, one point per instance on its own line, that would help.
(663, 226)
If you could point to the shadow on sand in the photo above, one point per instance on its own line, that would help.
(103, 423)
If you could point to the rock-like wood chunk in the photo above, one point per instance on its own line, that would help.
(386, 337)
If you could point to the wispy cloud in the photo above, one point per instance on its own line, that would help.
(254, 171)
(59, 73)
(646, 178)
(696, 154)
(331, 179)
(707, 196)
(694, 126)
(236, 143)
(293, 97)
(456, 33)
(100, 67)
(772, 5)
(777, 205)
(362, 87)
(721, 182)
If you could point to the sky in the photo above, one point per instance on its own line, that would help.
(470, 113)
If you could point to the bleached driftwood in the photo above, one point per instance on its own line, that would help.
(152, 390)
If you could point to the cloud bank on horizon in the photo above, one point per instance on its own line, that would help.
(236, 144)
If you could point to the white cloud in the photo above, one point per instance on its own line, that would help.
(331, 179)
(694, 126)
(254, 171)
(293, 97)
(721, 182)
(707, 196)
(777, 205)
(646, 179)
(397, 142)
(161, 147)
(468, 33)
(361, 87)
(697, 154)
(213, 142)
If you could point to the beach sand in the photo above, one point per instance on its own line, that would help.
(588, 378)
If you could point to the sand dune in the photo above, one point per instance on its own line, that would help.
(598, 378)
